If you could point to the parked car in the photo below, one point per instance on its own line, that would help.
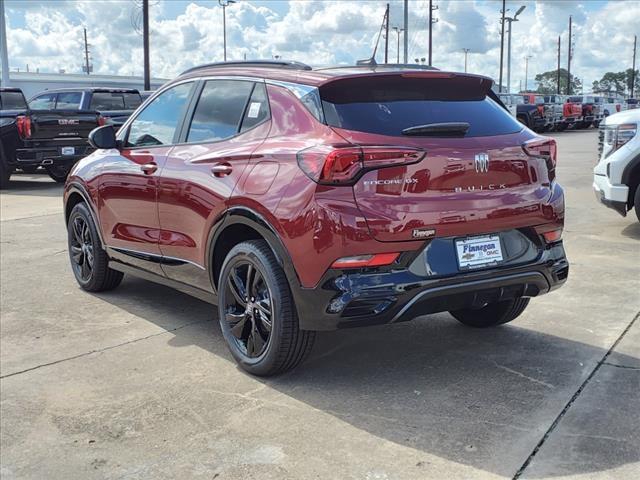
(591, 112)
(571, 113)
(55, 128)
(531, 113)
(12, 104)
(609, 105)
(302, 200)
(630, 104)
(554, 111)
(616, 177)
(511, 102)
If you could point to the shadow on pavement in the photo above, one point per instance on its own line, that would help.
(482, 398)
(33, 185)
(632, 231)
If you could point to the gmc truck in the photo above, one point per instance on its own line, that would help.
(12, 104)
(55, 129)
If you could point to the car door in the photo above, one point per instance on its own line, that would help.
(128, 183)
(227, 123)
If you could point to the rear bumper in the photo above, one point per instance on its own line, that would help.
(39, 154)
(361, 298)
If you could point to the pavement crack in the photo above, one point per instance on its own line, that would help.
(573, 398)
(621, 366)
(99, 350)
(522, 375)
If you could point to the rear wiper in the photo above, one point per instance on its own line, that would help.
(445, 129)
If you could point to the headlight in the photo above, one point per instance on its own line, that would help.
(616, 136)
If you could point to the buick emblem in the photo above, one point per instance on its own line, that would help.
(482, 162)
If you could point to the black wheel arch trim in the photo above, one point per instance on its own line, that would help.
(241, 215)
(629, 169)
(75, 187)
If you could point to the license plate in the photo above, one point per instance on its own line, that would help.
(68, 150)
(478, 252)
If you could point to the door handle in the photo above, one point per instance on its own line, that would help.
(149, 168)
(221, 169)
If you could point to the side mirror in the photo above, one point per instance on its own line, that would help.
(103, 137)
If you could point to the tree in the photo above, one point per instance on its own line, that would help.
(548, 82)
(617, 82)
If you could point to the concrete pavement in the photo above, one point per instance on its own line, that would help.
(137, 383)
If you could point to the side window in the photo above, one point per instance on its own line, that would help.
(106, 101)
(219, 110)
(157, 123)
(258, 109)
(68, 101)
(43, 102)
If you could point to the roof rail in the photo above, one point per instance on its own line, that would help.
(252, 63)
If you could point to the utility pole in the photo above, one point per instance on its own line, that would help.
(224, 4)
(3, 47)
(386, 36)
(406, 31)
(511, 20)
(633, 69)
(558, 65)
(145, 43)
(466, 51)
(504, 9)
(398, 31)
(86, 52)
(526, 71)
(569, 60)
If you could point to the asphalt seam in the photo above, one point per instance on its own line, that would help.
(571, 401)
(6, 220)
(100, 350)
(621, 366)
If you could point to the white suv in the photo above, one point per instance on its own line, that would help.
(617, 175)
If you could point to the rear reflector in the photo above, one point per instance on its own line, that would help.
(362, 261)
(552, 236)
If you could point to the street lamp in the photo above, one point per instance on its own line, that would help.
(511, 20)
(466, 52)
(224, 4)
(526, 71)
(398, 31)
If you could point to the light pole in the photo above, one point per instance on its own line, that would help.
(466, 52)
(526, 70)
(224, 4)
(511, 20)
(398, 30)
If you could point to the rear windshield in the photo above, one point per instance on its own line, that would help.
(12, 101)
(105, 101)
(388, 106)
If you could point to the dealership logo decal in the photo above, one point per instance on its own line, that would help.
(482, 162)
(423, 233)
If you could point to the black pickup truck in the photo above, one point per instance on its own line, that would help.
(56, 126)
(12, 104)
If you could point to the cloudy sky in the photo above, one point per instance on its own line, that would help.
(48, 34)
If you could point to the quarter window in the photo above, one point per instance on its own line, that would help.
(257, 110)
(219, 110)
(157, 123)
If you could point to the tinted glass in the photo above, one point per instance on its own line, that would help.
(219, 110)
(106, 101)
(388, 111)
(258, 109)
(43, 102)
(12, 101)
(157, 123)
(132, 100)
(68, 101)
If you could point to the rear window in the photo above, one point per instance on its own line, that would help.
(12, 101)
(68, 101)
(386, 106)
(106, 101)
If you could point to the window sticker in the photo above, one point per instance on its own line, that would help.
(254, 110)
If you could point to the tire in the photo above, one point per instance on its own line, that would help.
(5, 169)
(636, 202)
(58, 172)
(260, 323)
(523, 120)
(492, 314)
(89, 262)
(30, 169)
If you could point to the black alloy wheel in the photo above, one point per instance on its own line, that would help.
(81, 249)
(248, 308)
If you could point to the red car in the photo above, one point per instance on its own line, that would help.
(300, 200)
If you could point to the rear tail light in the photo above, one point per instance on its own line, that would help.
(343, 165)
(618, 107)
(363, 261)
(550, 233)
(543, 147)
(541, 110)
(101, 121)
(23, 122)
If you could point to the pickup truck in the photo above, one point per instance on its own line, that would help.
(12, 104)
(591, 113)
(616, 177)
(511, 102)
(55, 128)
(531, 113)
(609, 105)
(553, 105)
(571, 113)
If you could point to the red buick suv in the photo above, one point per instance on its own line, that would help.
(300, 200)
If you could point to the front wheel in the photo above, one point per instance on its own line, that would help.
(89, 261)
(636, 202)
(257, 312)
(58, 172)
(491, 314)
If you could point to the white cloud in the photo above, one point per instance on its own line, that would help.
(319, 33)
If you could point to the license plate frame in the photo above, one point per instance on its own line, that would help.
(67, 151)
(488, 251)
